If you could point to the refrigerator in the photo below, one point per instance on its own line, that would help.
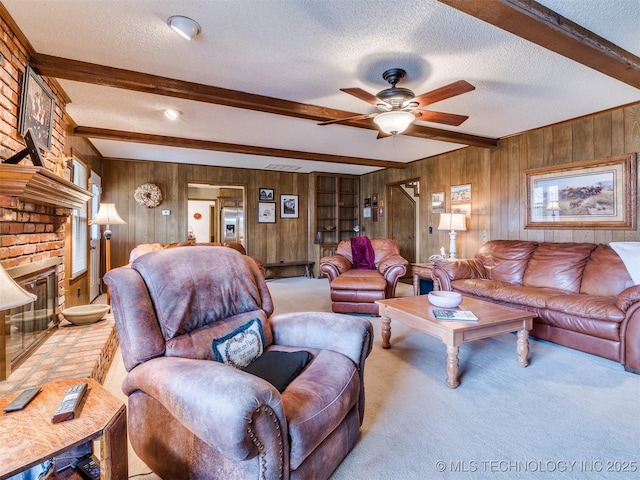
(232, 224)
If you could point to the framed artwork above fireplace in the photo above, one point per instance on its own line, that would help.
(36, 111)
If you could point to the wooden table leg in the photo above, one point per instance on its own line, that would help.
(452, 366)
(522, 347)
(113, 449)
(416, 285)
(386, 332)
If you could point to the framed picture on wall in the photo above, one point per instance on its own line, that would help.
(36, 111)
(437, 202)
(461, 199)
(266, 212)
(592, 194)
(266, 194)
(289, 206)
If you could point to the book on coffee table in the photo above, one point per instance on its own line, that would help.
(455, 315)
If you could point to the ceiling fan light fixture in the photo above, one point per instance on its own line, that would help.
(394, 122)
(184, 26)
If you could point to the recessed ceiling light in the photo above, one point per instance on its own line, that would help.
(185, 26)
(172, 114)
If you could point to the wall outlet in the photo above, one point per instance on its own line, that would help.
(166, 212)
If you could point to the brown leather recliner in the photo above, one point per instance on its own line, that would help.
(182, 315)
(355, 291)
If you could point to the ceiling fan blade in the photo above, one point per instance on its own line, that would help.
(441, 117)
(362, 95)
(442, 93)
(338, 120)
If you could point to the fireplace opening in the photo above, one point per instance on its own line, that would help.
(26, 327)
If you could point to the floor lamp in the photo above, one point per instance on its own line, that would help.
(107, 215)
(455, 222)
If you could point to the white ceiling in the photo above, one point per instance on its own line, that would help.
(305, 51)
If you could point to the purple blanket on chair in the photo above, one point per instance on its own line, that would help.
(362, 253)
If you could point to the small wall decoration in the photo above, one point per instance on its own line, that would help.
(266, 212)
(266, 194)
(288, 206)
(437, 202)
(592, 194)
(36, 112)
(461, 199)
(197, 216)
(148, 195)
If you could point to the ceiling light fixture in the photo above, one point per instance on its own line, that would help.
(172, 114)
(394, 122)
(185, 26)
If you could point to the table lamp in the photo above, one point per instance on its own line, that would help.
(453, 222)
(553, 207)
(12, 295)
(107, 215)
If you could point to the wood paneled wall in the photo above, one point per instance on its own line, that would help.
(287, 239)
(496, 178)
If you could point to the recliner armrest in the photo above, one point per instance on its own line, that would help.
(350, 336)
(334, 265)
(390, 262)
(214, 401)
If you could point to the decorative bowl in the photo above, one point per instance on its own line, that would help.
(445, 299)
(85, 314)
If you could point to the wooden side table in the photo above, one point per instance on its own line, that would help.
(422, 270)
(28, 437)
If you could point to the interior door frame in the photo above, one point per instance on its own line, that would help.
(389, 219)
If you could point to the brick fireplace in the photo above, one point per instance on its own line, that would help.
(35, 205)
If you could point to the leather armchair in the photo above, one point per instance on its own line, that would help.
(355, 291)
(192, 417)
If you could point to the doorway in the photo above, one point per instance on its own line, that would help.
(215, 213)
(403, 217)
(94, 238)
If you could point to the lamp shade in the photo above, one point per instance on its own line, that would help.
(452, 221)
(12, 295)
(107, 215)
(184, 26)
(394, 122)
(553, 206)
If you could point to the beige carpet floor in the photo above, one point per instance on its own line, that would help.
(568, 415)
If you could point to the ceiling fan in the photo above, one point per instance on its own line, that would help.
(399, 107)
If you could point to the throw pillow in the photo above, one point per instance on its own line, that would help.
(242, 346)
(279, 368)
(362, 254)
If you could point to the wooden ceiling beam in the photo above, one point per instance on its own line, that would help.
(143, 82)
(538, 24)
(150, 139)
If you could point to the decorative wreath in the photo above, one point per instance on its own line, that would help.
(148, 195)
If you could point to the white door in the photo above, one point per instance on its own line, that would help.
(94, 242)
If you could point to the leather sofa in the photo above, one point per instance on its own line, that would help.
(354, 290)
(185, 317)
(582, 293)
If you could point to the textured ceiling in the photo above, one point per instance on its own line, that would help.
(305, 51)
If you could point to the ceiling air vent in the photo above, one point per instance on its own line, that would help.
(284, 168)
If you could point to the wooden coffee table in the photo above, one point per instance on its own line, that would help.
(28, 437)
(493, 320)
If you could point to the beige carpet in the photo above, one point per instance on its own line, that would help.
(568, 415)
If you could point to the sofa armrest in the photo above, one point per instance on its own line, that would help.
(444, 271)
(388, 263)
(628, 297)
(350, 336)
(213, 400)
(335, 265)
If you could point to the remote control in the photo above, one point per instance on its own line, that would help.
(22, 400)
(68, 407)
(89, 468)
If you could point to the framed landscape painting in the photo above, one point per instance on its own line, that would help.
(598, 193)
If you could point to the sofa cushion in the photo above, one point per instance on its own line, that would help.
(279, 368)
(505, 260)
(605, 273)
(588, 306)
(318, 400)
(589, 327)
(359, 280)
(558, 265)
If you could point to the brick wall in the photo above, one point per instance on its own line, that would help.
(29, 232)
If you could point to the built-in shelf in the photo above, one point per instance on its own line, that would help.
(39, 185)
